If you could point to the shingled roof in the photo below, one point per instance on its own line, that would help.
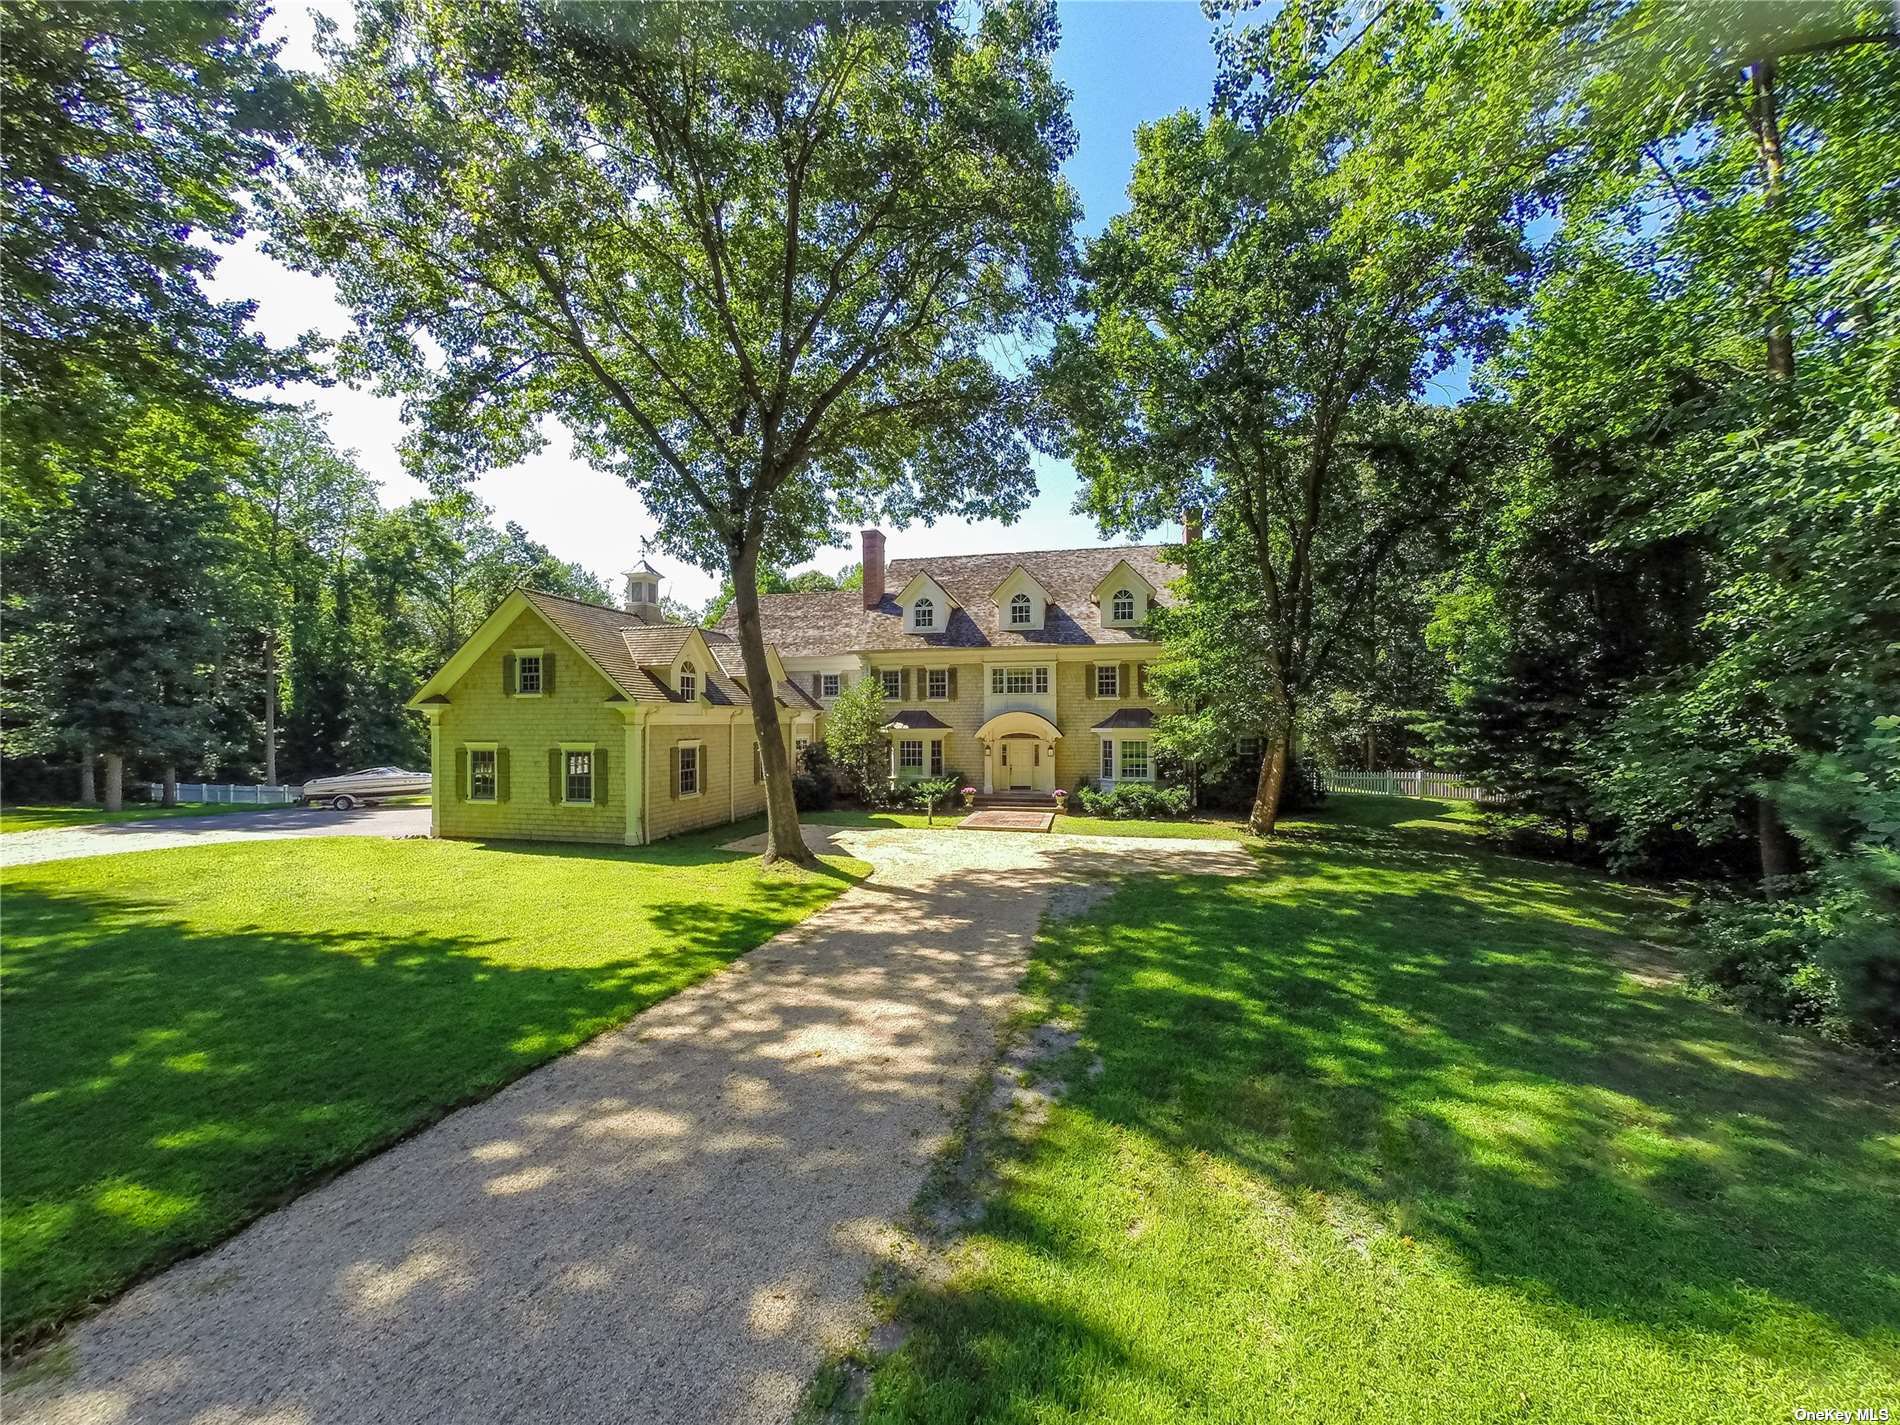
(627, 649)
(817, 625)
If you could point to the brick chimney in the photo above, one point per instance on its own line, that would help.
(873, 567)
(1190, 526)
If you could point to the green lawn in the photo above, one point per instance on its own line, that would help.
(1210, 828)
(1402, 1130)
(50, 816)
(193, 1034)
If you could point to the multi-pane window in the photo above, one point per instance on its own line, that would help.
(1019, 609)
(1108, 760)
(828, 685)
(528, 673)
(910, 753)
(1123, 610)
(924, 613)
(1108, 680)
(689, 682)
(936, 757)
(937, 683)
(1019, 680)
(1250, 749)
(689, 770)
(1134, 761)
(481, 774)
(579, 785)
(893, 683)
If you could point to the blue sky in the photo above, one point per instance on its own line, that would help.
(1126, 61)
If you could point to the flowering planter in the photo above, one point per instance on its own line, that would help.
(969, 796)
(1062, 800)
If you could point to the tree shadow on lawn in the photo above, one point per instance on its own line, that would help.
(162, 1085)
(1449, 1051)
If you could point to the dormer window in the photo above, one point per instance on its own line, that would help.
(1020, 610)
(689, 683)
(923, 614)
(1123, 608)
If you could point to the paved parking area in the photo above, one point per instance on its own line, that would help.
(63, 843)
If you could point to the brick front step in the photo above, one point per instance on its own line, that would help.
(999, 820)
(1037, 801)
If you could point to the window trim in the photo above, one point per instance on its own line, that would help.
(1114, 671)
(1115, 614)
(539, 655)
(1021, 600)
(934, 757)
(567, 750)
(1038, 680)
(469, 749)
(904, 764)
(699, 770)
(919, 606)
(688, 674)
(929, 697)
(1147, 759)
(1108, 759)
(886, 678)
(830, 685)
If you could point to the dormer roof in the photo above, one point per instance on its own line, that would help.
(1120, 576)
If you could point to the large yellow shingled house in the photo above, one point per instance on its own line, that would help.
(1023, 673)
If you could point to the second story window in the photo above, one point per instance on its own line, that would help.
(1019, 680)
(1107, 680)
(937, 683)
(924, 614)
(528, 673)
(1123, 610)
(1019, 608)
(893, 683)
(828, 685)
(689, 683)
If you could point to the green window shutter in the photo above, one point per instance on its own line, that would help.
(554, 776)
(508, 674)
(461, 772)
(953, 684)
(673, 783)
(817, 685)
(600, 776)
(501, 774)
(1125, 680)
(547, 673)
(1095, 680)
(903, 685)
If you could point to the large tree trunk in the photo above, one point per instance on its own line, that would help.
(115, 781)
(170, 798)
(270, 707)
(1273, 770)
(784, 842)
(88, 790)
(1778, 854)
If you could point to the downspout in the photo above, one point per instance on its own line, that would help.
(732, 770)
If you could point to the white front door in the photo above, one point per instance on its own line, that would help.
(1024, 764)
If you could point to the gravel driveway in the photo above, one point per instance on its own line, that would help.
(670, 1224)
(62, 843)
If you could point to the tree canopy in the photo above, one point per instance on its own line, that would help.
(751, 257)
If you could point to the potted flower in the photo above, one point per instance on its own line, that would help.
(1062, 801)
(969, 797)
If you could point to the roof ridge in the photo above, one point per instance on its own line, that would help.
(583, 603)
(1023, 554)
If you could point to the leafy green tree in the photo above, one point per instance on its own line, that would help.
(113, 599)
(299, 503)
(129, 133)
(855, 736)
(752, 257)
(777, 581)
(1289, 274)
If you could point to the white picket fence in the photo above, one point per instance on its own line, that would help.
(233, 792)
(1446, 786)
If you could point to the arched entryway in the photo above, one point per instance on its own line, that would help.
(1019, 753)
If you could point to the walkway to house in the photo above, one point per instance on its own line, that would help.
(670, 1224)
(267, 824)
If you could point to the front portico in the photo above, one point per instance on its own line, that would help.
(1019, 752)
